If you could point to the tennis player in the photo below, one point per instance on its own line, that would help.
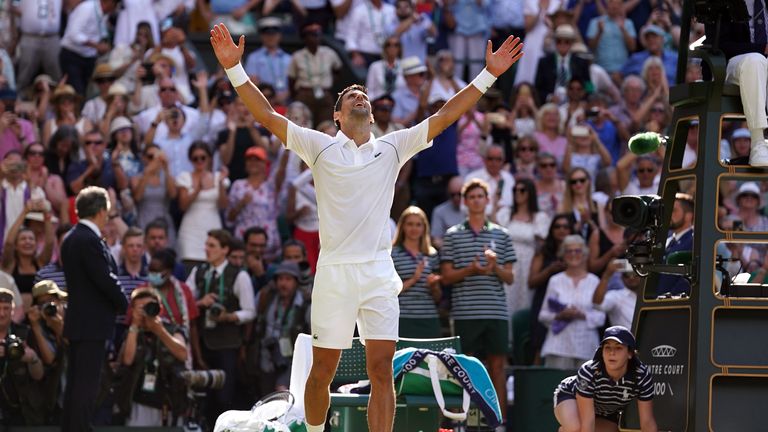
(354, 176)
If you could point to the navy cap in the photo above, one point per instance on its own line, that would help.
(621, 335)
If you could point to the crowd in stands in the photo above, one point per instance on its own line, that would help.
(214, 221)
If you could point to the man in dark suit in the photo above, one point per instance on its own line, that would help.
(681, 239)
(95, 298)
(745, 46)
(560, 67)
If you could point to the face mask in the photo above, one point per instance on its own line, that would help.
(156, 279)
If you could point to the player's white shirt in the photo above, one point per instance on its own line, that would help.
(355, 187)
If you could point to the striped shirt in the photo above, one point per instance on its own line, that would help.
(52, 272)
(478, 296)
(610, 397)
(416, 301)
(128, 283)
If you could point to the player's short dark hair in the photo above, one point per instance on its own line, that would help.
(353, 87)
(90, 201)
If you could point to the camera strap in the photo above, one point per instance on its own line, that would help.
(180, 305)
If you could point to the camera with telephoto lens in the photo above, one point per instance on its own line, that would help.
(14, 347)
(212, 379)
(216, 309)
(152, 309)
(50, 309)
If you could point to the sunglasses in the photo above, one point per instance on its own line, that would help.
(35, 153)
(455, 194)
(577, 180)
(575, 88)
(94, 142)
(199, 158)
(547, 165)
(391, 44)
(494, 158)
(657, 110)
(104, 80)
(521, 190)
(383, 107)
(526, 149)
(168, 89)
(561, 226)
(563, 41)
(645, 170)
(574, 251)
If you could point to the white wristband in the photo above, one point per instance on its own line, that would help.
(237, 75)
(483, 81)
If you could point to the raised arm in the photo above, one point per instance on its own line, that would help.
(496, 63)
(229, 56)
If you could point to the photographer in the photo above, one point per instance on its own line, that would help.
(153, 355)
(46, 320)
(19, 400)
(283, 313)
(225, 296)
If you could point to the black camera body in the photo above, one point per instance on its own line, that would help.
(217, 309)
(152, 309)
(14, 347)
(50, 309)
(638, 211)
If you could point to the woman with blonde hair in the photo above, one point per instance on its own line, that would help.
(416, 261)
(577, 200)
(548, 134)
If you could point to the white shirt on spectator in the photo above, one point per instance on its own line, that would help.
(342, 24)
(368, 27)
(306, 196)
(375, 81)
(133, 13)
(40, 17)
(619, 304)
(508, 182)
(14, 202)
(180, 73)
(146, 117)
(243, 289)
(176, 148)
(579, 338)
(94, 109)
(86, 23)
(163, 8)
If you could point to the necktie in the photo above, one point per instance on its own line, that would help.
(562, 74)
(758, 18)
(672, 243)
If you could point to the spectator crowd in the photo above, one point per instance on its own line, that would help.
(504, 224)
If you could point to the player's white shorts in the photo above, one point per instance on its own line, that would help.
(345, 293)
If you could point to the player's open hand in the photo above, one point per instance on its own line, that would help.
(227, 52)
(508, 54)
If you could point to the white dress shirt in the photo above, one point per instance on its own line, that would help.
(243, 289)
(40, 17)
(368, 27)
(579, 338)
(86, 23)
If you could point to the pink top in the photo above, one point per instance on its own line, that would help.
(554, 147)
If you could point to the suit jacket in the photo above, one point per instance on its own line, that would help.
(546, 73)
(734, 38)
(95, 297)
(671, 283)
